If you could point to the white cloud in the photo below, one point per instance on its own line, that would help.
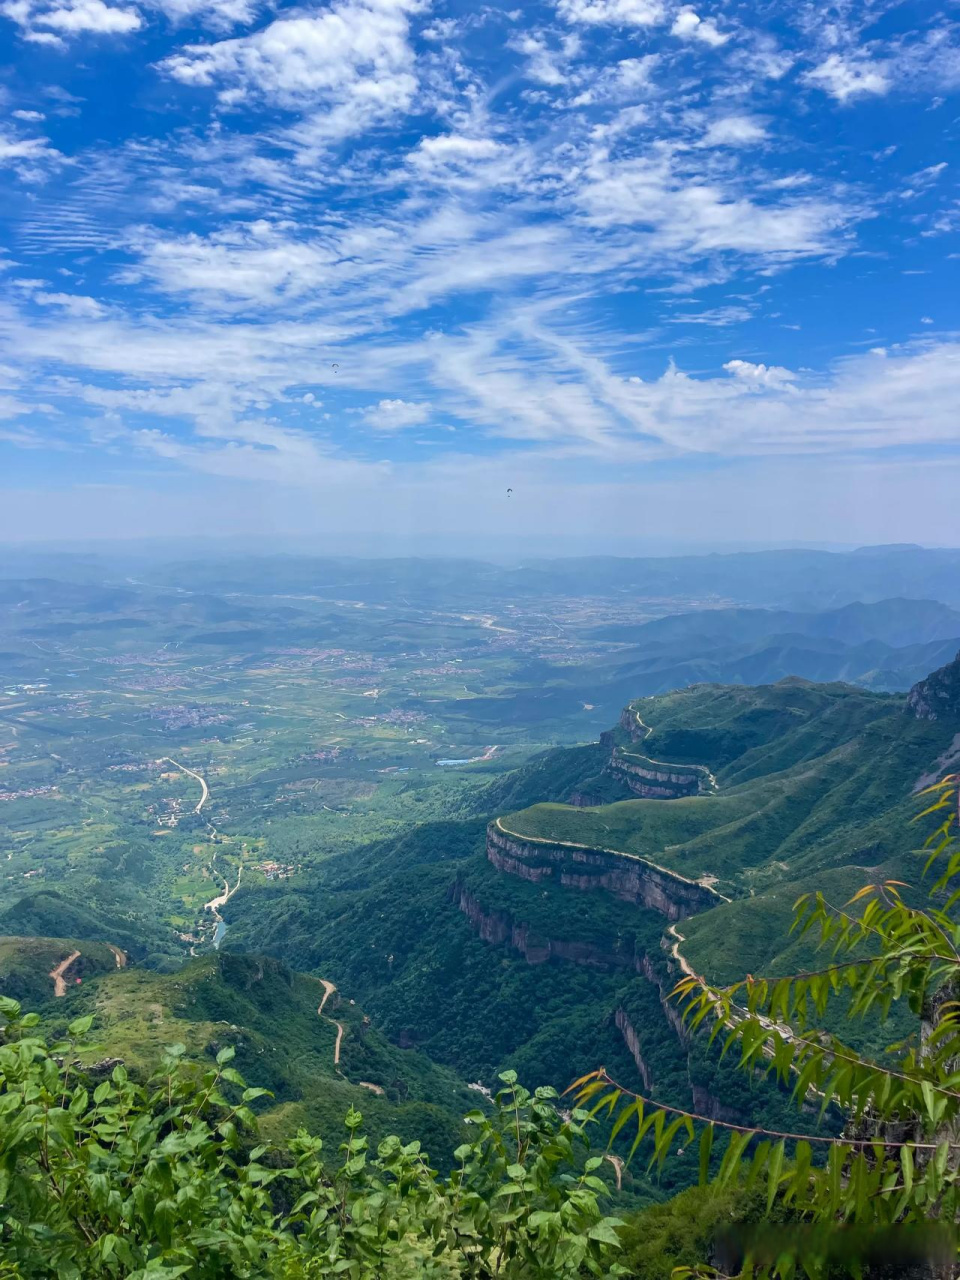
(24, 438)
(716, 316)
(349, 65)
(695, 215)
(688, 25)
(13, 149)
(73, 304)
(547, 64)
(734, 131)
(219, 15)
(255, 262)
(31, 116)
(845, 78)
(32, 158)
(43, 23)
(760, 375)
(395, 415)
(620, 13)
(454, 146)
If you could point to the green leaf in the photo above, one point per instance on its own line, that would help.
(773, 1174)
(605, 1234)
(906, 1166)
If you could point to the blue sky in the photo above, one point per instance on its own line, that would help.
(664, 270)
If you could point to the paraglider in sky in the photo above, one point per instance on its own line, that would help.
(509, 492)
(334, 367)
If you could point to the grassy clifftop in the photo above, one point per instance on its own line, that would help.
(805, 774)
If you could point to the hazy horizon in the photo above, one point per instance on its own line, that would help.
(504, 552)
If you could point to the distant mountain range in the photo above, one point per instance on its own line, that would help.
(788, 579)
(889, 644)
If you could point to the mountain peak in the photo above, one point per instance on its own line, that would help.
(938, 696)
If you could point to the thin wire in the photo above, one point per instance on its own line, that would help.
(772, 1133)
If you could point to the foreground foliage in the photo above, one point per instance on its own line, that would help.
(121, 1179)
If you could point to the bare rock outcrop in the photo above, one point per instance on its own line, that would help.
(938, 696)
(706, 1104)
(629, 877)
(653, 781)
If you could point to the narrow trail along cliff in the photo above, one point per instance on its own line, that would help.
(706, 881)
(685, 967)
(664, 764)
(59, 984)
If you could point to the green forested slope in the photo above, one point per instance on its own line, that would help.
(268, 1015)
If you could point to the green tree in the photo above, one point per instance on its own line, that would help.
(896, 1162)
(114, 1178)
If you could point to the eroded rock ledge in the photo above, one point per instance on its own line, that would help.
(653, 781)
(648, 778)
(498, 927)
(632, 879)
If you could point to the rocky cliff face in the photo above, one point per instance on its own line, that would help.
(938, 696)
(653, 781)
(632, 1041)
(499, 927)
(580, 867)
(630, 723)
(584, 799)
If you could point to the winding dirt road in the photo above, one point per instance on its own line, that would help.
(664, 764)
(205, 790)
(685, 966)
(59, 985)
(328, 990)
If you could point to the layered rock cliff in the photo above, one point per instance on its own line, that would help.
(651, 780)
(500, 927)
(630, 878)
